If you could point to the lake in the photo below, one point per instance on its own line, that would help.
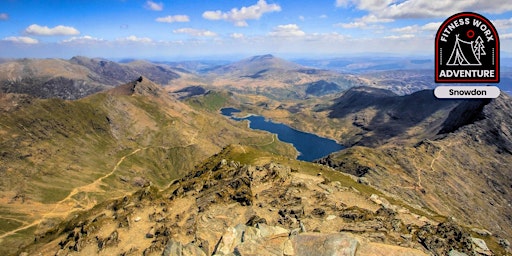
(310, 146)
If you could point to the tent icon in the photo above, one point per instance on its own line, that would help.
(463, 54)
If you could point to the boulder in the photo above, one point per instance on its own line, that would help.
(379, 249)
(174, 248)
(481, 231)
(481, 246)
(267, 231)
(456, 253)
(325, 244)
(504, 243)
(228, 242)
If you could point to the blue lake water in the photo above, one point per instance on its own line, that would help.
(309, 145)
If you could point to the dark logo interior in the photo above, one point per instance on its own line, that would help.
(467, 50)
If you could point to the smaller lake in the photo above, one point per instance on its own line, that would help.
(310, 146)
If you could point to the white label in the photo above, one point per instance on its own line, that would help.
(467, 92)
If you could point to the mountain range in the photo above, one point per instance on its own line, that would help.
(106, 158)
(264, 74)
(75, 78)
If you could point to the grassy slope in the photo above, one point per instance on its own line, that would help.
(63, 156)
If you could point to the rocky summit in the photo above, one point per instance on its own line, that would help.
(227, 207)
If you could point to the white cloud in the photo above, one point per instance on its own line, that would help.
(323, 16)
(364, 22)
(326, 37)
(301, 18)
(364, 4)
(237, 35)
(82, 40)
(35, 29)
(195, 32)
(135, 39)
(239, 16)
(21, 39)
(415, 29)
(374, 19)
(503, 24)
(355, 24)
(404, 36)
(432, 26)
(399, 9)
(4, 16)
(173, 18)
(154, 6)
(288, 30)
(407, 29)
(506, 36)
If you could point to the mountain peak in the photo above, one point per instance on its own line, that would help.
(141, 86)
(254, 67)
(262, 57)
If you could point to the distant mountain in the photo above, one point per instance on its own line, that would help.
(279, 78)
(105, 71)
(405, 82)
(256, 66)
(195, 66)
(77, 77)
(113, 73)
(368, 64)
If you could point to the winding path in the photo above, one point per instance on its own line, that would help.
(89, 187)
(418, 170)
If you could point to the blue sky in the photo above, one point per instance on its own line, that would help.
(188, 29)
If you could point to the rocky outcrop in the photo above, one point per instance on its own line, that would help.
(267, 240)
(139, 86)
(227, 208)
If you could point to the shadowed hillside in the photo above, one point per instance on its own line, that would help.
(381, 115)
(462, 170)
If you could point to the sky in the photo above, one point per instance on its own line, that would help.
(192, 29)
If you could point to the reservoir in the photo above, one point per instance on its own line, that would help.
(310, 146)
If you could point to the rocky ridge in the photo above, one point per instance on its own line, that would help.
(76, 78)
(461, 170)
(229, 208)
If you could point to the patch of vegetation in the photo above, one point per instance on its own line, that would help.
(211, 101)
(7, 224)
(17, 240)
(153, 110)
